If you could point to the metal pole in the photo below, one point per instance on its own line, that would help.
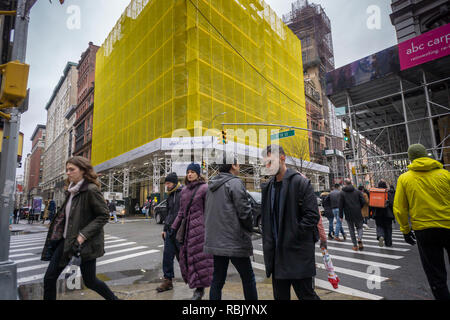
(404, 112)
(8, 269)
(349, 102)
(430, 119)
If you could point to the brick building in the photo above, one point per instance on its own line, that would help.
(36, 164)
(85, 102)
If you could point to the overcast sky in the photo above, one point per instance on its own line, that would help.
(51, 43)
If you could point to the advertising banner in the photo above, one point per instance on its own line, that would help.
(429, 46)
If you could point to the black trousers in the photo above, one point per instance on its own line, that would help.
(88, 271)
(304, 289)
(431, 244)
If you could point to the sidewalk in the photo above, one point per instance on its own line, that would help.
(231, 291)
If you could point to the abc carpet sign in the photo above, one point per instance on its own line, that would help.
(429, 46)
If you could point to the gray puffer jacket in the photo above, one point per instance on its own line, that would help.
(228, 218)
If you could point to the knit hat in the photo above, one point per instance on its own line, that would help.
(417, 151)
(172, 177)
(194, 167)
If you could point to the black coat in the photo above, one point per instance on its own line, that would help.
(173, 205)
(293, 252)
(89, 213)
(383, 215)
(350, 203)
(326, 204)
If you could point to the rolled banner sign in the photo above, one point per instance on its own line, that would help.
(332, 276)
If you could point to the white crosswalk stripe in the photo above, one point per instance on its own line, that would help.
(26, 253)
(359, 271)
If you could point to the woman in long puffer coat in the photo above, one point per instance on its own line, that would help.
(196, 266)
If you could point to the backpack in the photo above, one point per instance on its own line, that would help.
(378, 197)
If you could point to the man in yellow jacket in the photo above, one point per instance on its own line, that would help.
(423, 196)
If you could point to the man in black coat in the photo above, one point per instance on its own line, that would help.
(351, 202)
(170, 243)
(289, 228)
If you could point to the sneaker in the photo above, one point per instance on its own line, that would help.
(198, 294)
(360, 245)
(365, 226)
(381, 242)
(165, 285)
(330, 237)
(355, 248)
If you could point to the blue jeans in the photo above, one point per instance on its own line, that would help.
(338, 223)
(113, 213)
(170, 251)
(243, 266)
(330, 225)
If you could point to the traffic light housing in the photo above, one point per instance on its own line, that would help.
(346, 134)
(203, 164)
(14, 83)
(224, 136)
(354, 171)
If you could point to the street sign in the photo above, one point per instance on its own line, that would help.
(282, 135)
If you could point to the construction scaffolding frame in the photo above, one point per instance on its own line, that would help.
(385, 155)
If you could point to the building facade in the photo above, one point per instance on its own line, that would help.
(412, 18)
(35, 166)
(312, 26)
(85, 102)
(60, 134)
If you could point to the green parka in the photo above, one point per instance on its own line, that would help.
(89, 213)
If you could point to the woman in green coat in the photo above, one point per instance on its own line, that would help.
(77, 229)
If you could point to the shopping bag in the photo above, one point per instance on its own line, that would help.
(332, 276)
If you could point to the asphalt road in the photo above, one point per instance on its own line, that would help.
(134, 249)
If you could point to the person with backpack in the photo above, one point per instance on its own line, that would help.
(228, 230)
(383, 219)
(290, 216)
(196, 266)
(351, 203)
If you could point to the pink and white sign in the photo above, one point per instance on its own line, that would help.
(426, 47)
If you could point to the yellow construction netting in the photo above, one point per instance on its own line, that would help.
(168, 63)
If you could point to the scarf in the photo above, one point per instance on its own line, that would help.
(73, 189)
(174, 189)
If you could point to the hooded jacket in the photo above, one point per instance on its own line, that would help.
(290, 253)
(173, 205)
(350, 203)
(228, 218)
(423, 194)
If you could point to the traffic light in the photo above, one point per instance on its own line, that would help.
(203, 164)
(346, 134)
(354, 171)
(14, 83)
(224, 136)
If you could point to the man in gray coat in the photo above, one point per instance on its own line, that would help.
(228, 230)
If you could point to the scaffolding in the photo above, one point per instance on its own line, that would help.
(388, 114)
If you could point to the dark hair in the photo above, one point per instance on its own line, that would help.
(348, 182)
(382, 184)
(337, 185)
(275, 148)
(361, 188)
(84, 165)
(200, 178)
(226, 167)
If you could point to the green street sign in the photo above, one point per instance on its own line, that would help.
(282, 135)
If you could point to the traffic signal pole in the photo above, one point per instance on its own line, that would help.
(8, 269)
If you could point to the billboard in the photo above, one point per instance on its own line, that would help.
(427, 47)
(375, 66)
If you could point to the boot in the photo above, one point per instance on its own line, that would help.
(198, 294)
(360, 245)
(165, 285)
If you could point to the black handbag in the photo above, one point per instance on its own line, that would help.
(181, 232)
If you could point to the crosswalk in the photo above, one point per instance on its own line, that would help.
(26, 251)
(361, 273)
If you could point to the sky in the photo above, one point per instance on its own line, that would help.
(56, 36)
